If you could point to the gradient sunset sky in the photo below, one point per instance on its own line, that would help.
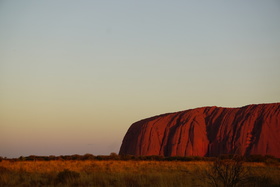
(74, 75)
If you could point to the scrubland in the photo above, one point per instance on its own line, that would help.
(132, 173)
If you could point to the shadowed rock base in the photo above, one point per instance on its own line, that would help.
(207, 131)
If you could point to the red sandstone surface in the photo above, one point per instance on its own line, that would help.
(207, 131)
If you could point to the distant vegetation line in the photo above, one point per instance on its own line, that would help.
(114, 156)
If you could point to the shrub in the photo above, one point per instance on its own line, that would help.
(271, 162)
(227, 156)
(255, 158)
(114, 156)
(154, 157)
(3, 170)
(227, 173)
(67, 175)
(88, 157)
(129, 157)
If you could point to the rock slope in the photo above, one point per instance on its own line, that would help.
(207, 131)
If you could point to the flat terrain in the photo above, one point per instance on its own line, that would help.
(123, 173)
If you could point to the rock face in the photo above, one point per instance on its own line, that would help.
(207, 131)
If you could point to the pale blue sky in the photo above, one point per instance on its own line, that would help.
(74, 75)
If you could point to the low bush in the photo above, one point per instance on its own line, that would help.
(67, 176)
(227, 173)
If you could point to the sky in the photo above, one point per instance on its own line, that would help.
(74, 75)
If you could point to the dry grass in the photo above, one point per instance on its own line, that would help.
(119, 173)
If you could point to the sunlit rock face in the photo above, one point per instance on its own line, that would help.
(207, 131)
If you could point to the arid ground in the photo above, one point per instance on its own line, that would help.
(129, 173)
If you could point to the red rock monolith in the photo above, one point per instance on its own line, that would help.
(207, 131)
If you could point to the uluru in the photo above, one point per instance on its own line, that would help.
(207, 131)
